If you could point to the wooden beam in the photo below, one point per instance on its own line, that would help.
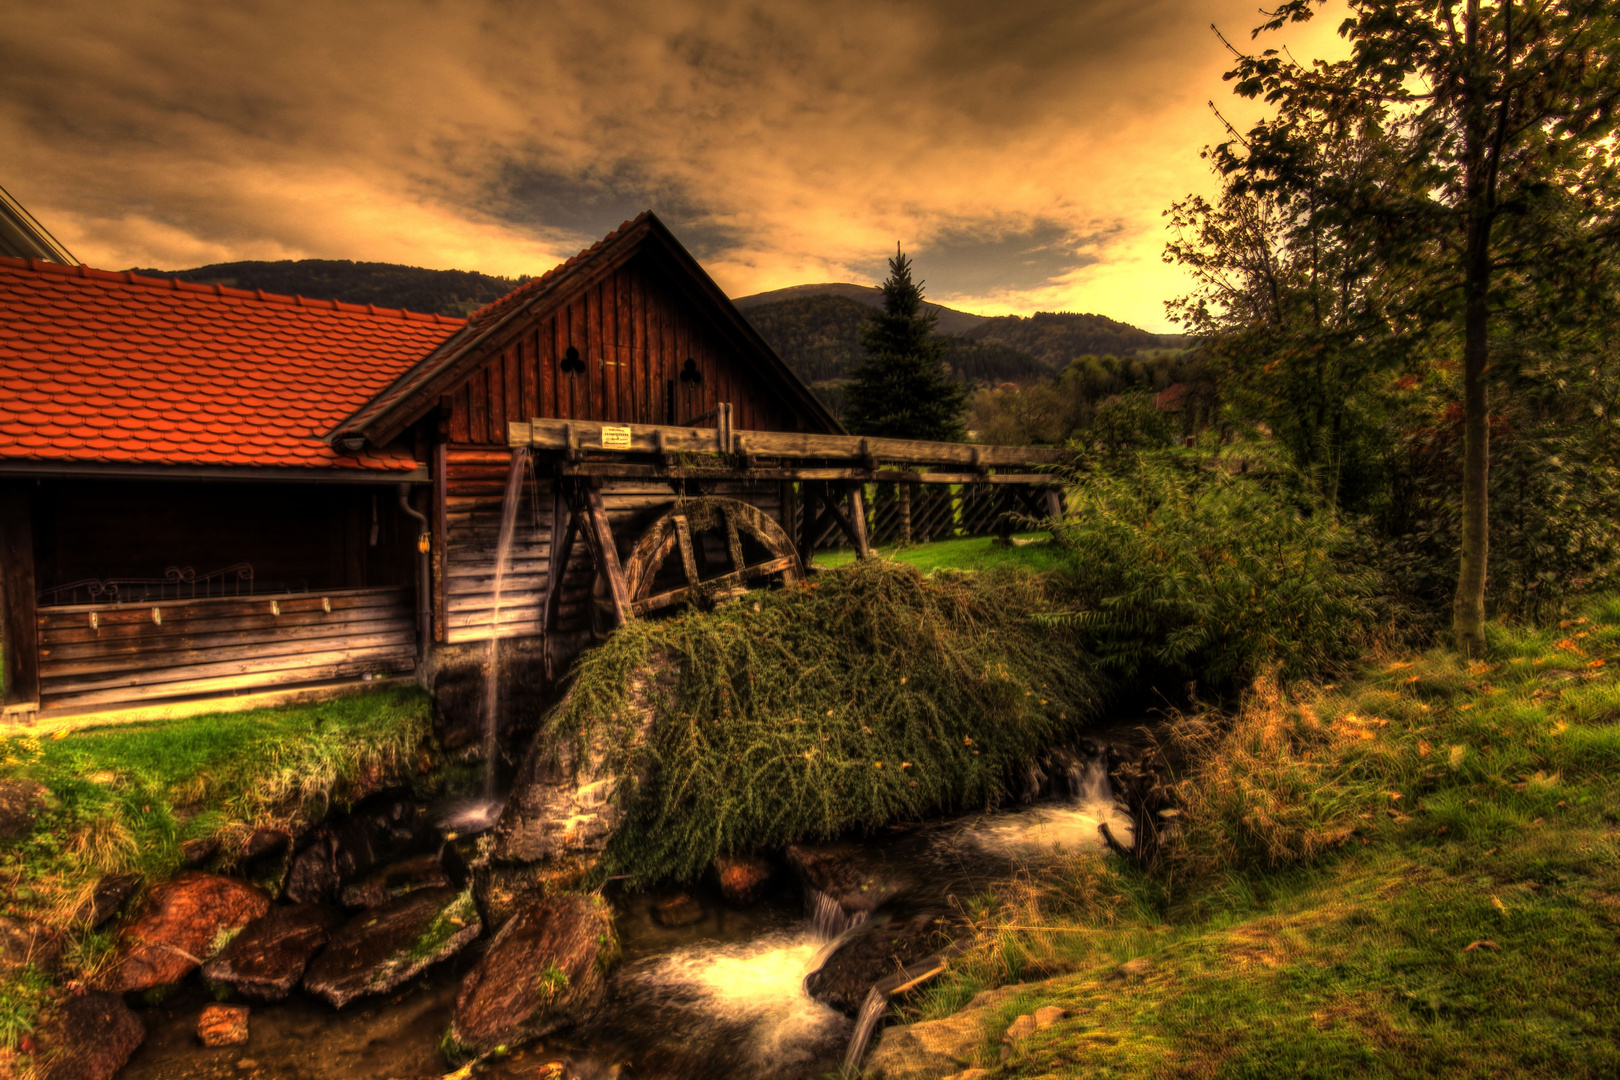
(19, 629)
(599, 538)
(624, 470)
(807, 528)
(544, 434)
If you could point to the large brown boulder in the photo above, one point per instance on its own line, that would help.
(380, 948)
(86, 1036)
(543, 970)
(561, 802)
(266, 960)
(180, 926)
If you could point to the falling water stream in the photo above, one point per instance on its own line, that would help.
(724, 997)
(503, 559)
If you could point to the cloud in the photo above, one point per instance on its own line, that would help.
(1022, 152)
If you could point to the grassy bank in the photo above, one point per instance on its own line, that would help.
(871, 695)
(1032, 551)
(1415, 872)
(124, 799)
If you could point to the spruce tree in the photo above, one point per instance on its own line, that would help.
(903, 390)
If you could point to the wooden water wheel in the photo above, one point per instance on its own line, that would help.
(725, 546)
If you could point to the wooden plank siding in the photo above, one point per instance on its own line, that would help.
(475, 479)
(634, 337)
(104, 655)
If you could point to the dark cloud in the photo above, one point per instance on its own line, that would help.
(1027, 147)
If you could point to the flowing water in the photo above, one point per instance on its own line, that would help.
(503, 558)
(724, 997)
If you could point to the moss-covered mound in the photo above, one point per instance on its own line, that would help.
(871, 695)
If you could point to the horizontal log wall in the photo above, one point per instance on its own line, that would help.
(476, 487)
(633, 337)
(106, 655)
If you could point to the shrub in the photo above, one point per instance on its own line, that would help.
(1190, 568)
(869, 696)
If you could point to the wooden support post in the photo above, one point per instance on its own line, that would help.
(807, 526)
(19, 627)
(441, 537)
(857, 514)
(904, 493)
(608, 554)
(563, 529)
(1054, 503)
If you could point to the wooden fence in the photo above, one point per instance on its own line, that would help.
(106, 655)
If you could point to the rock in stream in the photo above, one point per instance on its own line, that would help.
(543, 970)
(265, 961)
(382, 947)
(180, 926)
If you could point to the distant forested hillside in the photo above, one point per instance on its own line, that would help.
(1058, 337)
(444, 292)
(819, 335)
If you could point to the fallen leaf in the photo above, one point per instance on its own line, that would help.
(1496, 903)
(1472, 945)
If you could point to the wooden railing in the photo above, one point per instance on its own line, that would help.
(938, 462)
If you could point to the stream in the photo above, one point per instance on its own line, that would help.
(722, 997)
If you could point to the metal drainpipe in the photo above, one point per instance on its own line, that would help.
(424, 544)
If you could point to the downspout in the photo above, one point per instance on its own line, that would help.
(424, 544)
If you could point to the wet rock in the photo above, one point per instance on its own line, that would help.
(542, 971)
(180, 926)
(21, 803)
(266, 960)
(196, 852)
(680, 910)
(86, 1036)
(379, 949)
(265, 840)
(24, 943)
(868, 956)
(561, 804)
(105, 900)
(502, 889)
(844, 877)
(351, 845)
(223, 1025)
(743, 878)
(394, 880)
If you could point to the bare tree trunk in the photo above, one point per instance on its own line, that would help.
(1468, 612)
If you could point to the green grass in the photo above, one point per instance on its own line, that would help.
(126, 798)
(1442, 898)
(1037, 553)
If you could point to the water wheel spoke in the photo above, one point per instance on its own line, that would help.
(683, 530)
(734, 541)
(716, 585)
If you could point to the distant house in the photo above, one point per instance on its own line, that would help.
(207, 491)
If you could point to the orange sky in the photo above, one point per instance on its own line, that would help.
(1023, 151)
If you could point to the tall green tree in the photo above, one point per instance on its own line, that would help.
(1501, 178)
(903, 390)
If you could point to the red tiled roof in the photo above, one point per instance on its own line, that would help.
(97, 366)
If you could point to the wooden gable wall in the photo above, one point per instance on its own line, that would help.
(634, 334)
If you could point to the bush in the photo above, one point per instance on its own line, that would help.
(1190, 568)
(872, 695)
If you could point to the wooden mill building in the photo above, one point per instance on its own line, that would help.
(207, 491)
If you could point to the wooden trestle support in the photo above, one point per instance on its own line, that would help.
(831, 470)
